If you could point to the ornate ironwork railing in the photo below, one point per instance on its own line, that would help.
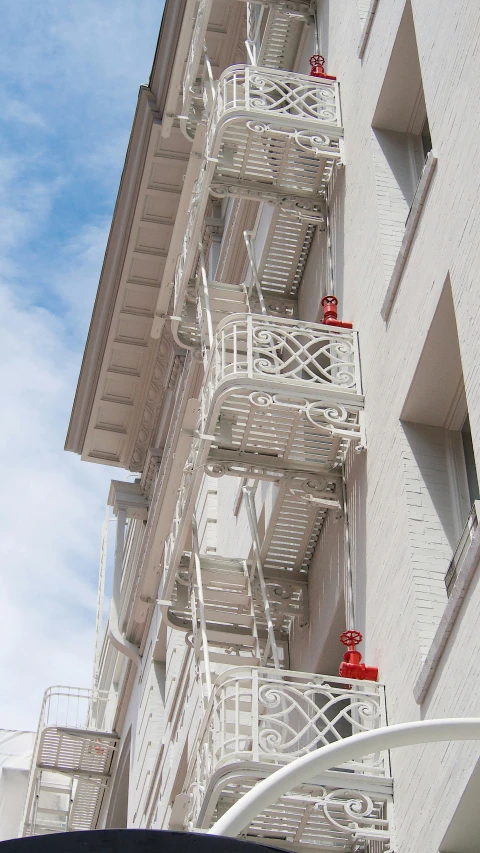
(304, 100)
(259, 719)
(304, 375)
(274, 716)
(290, 352)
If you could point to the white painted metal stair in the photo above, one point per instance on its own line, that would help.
(71, 763)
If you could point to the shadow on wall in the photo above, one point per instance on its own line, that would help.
(316, 647)
(357, 488)
(317, 278)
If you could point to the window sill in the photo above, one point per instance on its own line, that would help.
(465, 573)
(409, 235)
(366, 28)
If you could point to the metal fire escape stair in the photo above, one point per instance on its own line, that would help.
(71, 764)
(232, 632)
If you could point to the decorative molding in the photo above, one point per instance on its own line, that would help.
(159, 383)
(152, 464)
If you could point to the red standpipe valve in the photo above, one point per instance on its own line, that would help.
(317, 64)
(351, 666)
(329, 304)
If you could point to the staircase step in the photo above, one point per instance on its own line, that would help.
(51, 788)
(225, 577)
(228, 596)
(59, 812)
(229, 617)
(226, 638)
(234, 660)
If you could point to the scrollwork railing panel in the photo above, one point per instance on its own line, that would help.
(259, 717)
(273, 93)
(287, 357)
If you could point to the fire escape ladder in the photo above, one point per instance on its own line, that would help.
(223, 617)
(272, 647)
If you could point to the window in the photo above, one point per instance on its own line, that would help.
(401, 139)
(441, 480)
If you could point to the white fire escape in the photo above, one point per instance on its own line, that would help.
(71, 763)
(281, 401)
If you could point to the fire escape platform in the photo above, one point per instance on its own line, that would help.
(287, 389)
(260, 719)
(272, 136)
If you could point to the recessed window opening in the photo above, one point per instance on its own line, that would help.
(441, 480)
(401, 138)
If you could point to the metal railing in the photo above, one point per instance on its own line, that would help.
(259, 719)
(288, 352)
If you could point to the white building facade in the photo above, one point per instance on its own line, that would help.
(284, 344)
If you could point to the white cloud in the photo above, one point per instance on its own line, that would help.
(70, 73)
(51, 508)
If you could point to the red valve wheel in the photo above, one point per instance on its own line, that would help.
(317, 60)
(351, 638)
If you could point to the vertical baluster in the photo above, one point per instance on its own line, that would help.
(356, 363)
(237, 712)
(223, 364)
(201, 609)
(235, 348)
(249, 346)
(255, 715)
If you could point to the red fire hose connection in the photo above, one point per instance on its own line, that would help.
(317, 64)
(351, 666)
(329, 304)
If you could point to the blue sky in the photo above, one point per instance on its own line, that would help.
(69, 78)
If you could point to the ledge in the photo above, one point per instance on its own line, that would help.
(367, 28)
(409, 235)
(447, 622)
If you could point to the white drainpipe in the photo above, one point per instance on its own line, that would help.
(308, 766)
(116, 638)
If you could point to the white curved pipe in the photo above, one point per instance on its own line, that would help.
(308, 766)
(117, 640)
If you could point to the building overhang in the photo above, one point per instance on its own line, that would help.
(125, 371)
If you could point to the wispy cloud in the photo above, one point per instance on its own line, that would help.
(70, 74)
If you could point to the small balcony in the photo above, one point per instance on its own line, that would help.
(272, 136)
(71, 762)
(273, 130)
(283, 391)
(260, 719)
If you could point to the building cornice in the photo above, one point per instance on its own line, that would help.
(110, 275)
(119, 397)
